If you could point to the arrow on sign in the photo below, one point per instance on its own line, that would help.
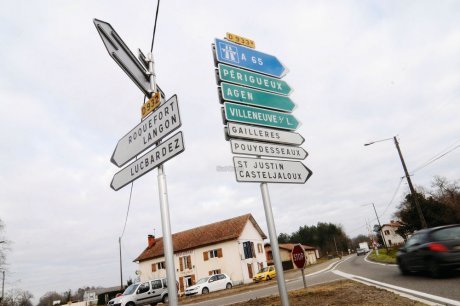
(153, 128)
(267, 149)
(256, 97)
(252, 79)
(237, 55)
(237, 130)
(270, 170)
(164, 152)
(259, 116)
(120, 52)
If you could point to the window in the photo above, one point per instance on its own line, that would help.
(248, 249)
(387, 232)
(220, 276)
(185, 262)
(161, 265)
(212, 253)
(156, 284)
(216, 253)
(143, 288)
(212, 272)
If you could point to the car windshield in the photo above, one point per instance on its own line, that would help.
(131, 289)
(263, 270)
(202, 280)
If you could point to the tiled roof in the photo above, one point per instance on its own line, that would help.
(213, 233)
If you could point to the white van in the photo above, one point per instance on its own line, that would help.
(149, 292)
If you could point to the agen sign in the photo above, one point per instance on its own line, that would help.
(298, 256)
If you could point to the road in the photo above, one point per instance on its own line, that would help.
(445, 291)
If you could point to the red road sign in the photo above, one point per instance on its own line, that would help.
(298, 256)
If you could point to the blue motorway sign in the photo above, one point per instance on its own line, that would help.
(247, 58)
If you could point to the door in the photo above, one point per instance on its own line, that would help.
(143, 295)
(213, 283)
(250, 271)
(157, 290)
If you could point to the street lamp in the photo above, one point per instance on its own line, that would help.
(411, 187)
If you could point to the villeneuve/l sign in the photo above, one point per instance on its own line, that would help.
(160, 154)
(267, 149)
(260, 116)
(252, 79)
(250, 96)
(153, 128)
(258, 170)
(238, 130)
(237, 55)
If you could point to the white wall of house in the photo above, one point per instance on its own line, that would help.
(390, 236)
(231, 262)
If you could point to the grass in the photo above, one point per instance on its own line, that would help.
(384, 256)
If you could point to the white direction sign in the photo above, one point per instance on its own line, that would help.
(165, 151)
(153, 128)
(267, 149)
(270, 170)
(238, 130)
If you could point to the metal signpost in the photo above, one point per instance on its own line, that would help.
(251, 79)
(299, 260)
(250, 96)
(259, 116)
(248, 58)
(237, 130)
(158, 124)
(253, 99)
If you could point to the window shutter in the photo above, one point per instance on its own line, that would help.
(253, 250)
(154, 267)
(193, 279)
(205, 256)
(210, 272)
(189, 262)
(181, 284)
(181, 264)
(219, 253)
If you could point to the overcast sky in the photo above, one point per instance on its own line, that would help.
(361, 70)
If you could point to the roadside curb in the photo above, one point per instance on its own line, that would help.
(377, 263)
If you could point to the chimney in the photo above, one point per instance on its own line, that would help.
(151, 241)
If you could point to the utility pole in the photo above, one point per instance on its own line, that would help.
(3, 285)
(121, 267)
(380, 228)
(411, 187)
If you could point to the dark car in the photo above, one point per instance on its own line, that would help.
(436, 250)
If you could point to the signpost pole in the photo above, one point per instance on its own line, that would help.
(274, 244)
(164, 209)
(303, 278)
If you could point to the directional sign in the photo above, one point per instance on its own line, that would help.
(270, 170)
(153, 128)
(151, 104)
(164, 152)
(237, 130)
(256, 97)
(298, 256)
(252, 79)
(247, 58)
(259, 116)
(120, 52)
(267, 149)
(241, 40)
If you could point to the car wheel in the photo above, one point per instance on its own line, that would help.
(165, 299)
(268, 277)
(205, 290)
(229, 286)
(130, 304)
(434, 269)
(403, 268)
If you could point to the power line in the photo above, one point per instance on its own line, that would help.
(435, 158)
(155, 26)
(394, 195)
(127, 211)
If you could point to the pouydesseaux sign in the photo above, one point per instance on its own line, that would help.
(149, 161)
(247, 58)
(238, 130)
(270, 170)
(153, 128)
(259, 116)
(250, 96)
(252, 79)
(267, 149)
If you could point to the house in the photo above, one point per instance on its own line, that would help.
(101, 296)
(311, 254)
(233, 246)
(390, 235)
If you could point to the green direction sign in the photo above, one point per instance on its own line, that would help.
(256, 97)
(252, 79)
(259, 116)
